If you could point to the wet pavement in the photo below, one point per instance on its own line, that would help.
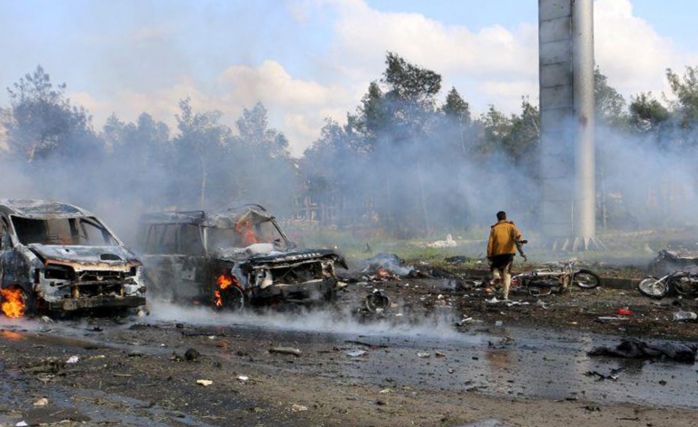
(435, 354)
(505, 361)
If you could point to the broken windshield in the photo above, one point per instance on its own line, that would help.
(83, 231)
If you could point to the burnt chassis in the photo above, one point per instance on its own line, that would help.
(65, 277)
(259, 274)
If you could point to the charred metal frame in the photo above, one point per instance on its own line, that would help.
(263, 272)
(69, 276)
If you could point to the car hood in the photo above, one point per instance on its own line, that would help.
(101, 256)
(256, 256)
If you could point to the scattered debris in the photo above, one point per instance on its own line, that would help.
(204, 383)
(41, 402)
(423, 354)
(613, 375)
(685, 316)
(636, 349)
(243, 378)
(191, 355)
(624, 311)
(391, 263)
(286, 350)
(355, 353)
(610, 318)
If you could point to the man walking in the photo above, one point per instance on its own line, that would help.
(501, 249)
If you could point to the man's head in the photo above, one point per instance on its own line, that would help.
(501, 216)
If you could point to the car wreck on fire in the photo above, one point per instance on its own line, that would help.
(56, 257)
(232, 258)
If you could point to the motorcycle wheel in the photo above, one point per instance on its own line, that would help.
(653, 287)
(586, 279)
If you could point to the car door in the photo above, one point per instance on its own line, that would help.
(175, 261)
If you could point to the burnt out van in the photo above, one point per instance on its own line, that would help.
(232, 258)
(57, 257)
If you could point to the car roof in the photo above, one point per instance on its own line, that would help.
(37, 208)
(224, 218)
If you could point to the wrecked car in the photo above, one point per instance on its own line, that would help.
(56, 257)
(232, 258)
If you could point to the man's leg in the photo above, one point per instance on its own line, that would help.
(496, 276)
(506, 279)
(507, 284)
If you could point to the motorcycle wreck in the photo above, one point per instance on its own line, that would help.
(682, 282)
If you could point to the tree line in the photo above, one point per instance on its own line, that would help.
(405, 160)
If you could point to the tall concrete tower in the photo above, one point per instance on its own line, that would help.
(566, 68)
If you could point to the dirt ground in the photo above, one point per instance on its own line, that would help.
(116, 371)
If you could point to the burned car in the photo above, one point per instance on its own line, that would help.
(232, 258)
(56, 257)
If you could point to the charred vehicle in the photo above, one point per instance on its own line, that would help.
(56, 257)
(232, 258)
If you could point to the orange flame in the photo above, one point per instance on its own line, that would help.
(12, 304)
(223, 281)
(244, 227)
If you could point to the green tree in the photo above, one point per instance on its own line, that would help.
(609, 105)
(200, 147)
(685, 89)
(141, 153)
(42, 123)
(647, 114)
(262, 164)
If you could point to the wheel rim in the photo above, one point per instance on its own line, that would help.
(652, 287)
(586, 280)
(233, 298)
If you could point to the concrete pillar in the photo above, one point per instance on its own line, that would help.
(566, 68)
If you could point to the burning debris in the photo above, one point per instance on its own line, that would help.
(58, 257)
(387, 265)
(233, 258)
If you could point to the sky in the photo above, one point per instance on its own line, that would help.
(312, 60)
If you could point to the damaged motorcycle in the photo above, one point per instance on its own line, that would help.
(680, 282)
(555, 277)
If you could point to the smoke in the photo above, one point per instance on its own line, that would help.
(316, 320)
(647, 184)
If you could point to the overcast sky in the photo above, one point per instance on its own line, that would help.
(307, 60)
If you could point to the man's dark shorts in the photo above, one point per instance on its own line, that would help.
(502, 262)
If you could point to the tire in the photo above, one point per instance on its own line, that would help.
(653, 287)
(377, 302)
(234, 299)
(586, 279)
